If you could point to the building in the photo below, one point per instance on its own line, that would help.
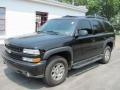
(19, 17)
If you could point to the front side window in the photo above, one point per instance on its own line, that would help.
(97, 27)
(2, 19)
(61, 26)
(85, 25)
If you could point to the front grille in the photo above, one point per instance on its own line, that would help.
(14, 56)
(14, 48)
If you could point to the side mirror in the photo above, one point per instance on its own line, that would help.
(82, 32)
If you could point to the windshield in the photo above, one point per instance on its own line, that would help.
(61, 26)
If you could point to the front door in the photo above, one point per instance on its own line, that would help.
(83, 45)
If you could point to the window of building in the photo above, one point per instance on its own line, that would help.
(41, 18)
(2, 19)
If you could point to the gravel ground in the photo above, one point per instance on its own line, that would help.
(93, 77)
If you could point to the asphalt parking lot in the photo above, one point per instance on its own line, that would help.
(92, 77)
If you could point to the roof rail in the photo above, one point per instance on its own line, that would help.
(88, 16)
(69, 16)
(98, 17)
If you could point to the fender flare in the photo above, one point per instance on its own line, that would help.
(109, 40)
(48, 53)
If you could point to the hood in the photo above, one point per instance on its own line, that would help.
(39, 41)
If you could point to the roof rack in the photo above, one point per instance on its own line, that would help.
(88, 16)
(98, 17)
(69, 16)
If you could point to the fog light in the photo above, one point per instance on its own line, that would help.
(28, 75)
(36, 60)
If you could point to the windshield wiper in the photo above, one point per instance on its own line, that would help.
(52, 32)
(48, 32)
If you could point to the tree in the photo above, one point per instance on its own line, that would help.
(93, 7)
(75, 2)
(108, 8)
(105, 8)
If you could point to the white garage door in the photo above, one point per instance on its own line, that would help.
(2, 19)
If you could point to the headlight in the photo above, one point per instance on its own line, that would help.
(31, 51)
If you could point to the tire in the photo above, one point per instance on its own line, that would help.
(56, 71)
(106, 55)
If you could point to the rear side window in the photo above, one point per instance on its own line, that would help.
(85, 25)
(108, 27)
(97, 27)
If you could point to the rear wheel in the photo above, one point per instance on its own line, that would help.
(106, 55)
(56, 71)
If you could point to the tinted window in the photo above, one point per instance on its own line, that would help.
(97, 27)
(85, 25)
(108, 27)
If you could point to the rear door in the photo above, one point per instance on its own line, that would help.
(99, 35)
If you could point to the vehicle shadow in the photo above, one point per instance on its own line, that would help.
(33, 83)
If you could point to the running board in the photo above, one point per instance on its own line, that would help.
(86, 62)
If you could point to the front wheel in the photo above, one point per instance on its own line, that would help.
(106, 55)
(56, 71)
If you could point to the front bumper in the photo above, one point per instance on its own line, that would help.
(25, 68)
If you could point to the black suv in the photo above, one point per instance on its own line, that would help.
(60, 45)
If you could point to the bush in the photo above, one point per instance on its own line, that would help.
(117, 27)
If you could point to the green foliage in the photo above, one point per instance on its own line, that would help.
(105, 8)
(93, 7)
(80, 2)
(117, 27)
(76, 2)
